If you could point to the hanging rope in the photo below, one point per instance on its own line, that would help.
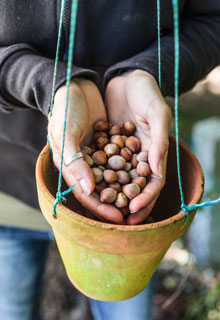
(158, 43)
(60, 196)
(176, 107)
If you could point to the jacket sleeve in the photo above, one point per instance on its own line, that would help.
(199, 49)
(26, 78)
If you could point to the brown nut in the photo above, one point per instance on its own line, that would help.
(142, 156)
(126, 153)
(128, 128)
(111, 149)
(125, 211)
(100, 134)
(110, 176)
(134, 161)
(100, 186)
(132, 143)
(124, 137)
(87, 150)
(99, 157)
(102, 125)
(131, 190)
(102, 168)
(123, 177)
(127, 166)
(116, 186)
(117, 140)
(117, 162)
(141, 181)
(143, 169)
(108, 195)
(101, 142)
(133, 173)
(88, 159)
(98, 174)
(121, 201)
(93, 147)
(115, 130)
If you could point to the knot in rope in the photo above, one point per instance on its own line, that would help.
(60, 198)
(185, 208)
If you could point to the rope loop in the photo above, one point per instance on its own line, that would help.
(60, 198)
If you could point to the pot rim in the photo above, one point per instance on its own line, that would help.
(125, 228)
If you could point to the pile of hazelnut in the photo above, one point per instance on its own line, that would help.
(119, 167)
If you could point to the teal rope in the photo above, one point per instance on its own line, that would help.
(176, 107)
(60, 196)
(55, 72)
(57, 55)
(158, 42)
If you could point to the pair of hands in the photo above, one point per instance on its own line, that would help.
(129, 97)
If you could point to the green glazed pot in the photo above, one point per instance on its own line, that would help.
(115, 262)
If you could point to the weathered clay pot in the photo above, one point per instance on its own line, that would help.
(115, 262)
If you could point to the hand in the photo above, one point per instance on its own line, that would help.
(137, 97)
(84, 109)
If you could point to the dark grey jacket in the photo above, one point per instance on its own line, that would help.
(111, 37)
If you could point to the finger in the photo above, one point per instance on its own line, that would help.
(104, 212)
(159, 122)
(140, 216)
(148, 194)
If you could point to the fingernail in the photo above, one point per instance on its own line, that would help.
(85, 186)
(160, 169)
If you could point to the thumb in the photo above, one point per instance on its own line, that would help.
(160, 126)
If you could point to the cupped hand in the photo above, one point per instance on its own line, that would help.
(136, 97)
(84, 109)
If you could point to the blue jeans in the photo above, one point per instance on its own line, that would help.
(23, 257)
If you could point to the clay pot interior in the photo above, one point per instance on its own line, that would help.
(168, 204)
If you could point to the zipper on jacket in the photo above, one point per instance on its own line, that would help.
(66, 27)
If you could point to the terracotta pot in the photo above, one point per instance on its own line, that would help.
(115, 262)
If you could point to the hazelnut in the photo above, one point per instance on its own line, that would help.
(102, 125)
(142, 156)
(115, 130)
(133, 173)
(108, 195)
(117, 162)
(117, 140)
(110, 176)
(100, 134)
(100, 186)
(116, 186)
(98, 174)
(134, 161)
(127, 166)
(143, 169)
(93, 147)
(124, 137)
(102, 168)
(121, 201)
(111, 149)
(141, 181)
(128, 128)
(101, 142)
(87, 150)
(88, 159)
(131, 190)
(123, 177)
(99, 157)
(126, 153)
(132, 143)
(125, 211)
